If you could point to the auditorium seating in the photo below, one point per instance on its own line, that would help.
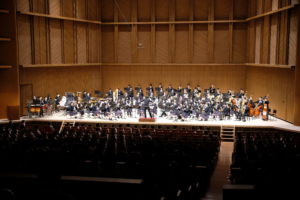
(172, 162)
(268, 159)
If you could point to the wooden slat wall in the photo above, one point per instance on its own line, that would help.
(60, 80)
(55, 41)
(274, 35)
(194, 43)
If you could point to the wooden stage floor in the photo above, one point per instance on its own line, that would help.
(255, 123)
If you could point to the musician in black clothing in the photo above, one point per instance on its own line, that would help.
(212, 89)
(110, 93)
(146, 106)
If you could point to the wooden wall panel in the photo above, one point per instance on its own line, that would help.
(275, 4)
(55, 7)
(182, 10)
(107, 44)
(283, 38)
(273, 39)
(124, 45)
(94, 44)
(240, 9)
(23, 5)
(200, 44)
(144, 44)
(60, 80)
(239, 46)
(81, 10)
(93, 9)
(162, 44)
(107, 7)
(201, 9)
(182, 44)
(258, 41)
(278, 84)
(162, 10)
(293, 38)
(68, 42)
(221, 45)
(55, 42)
(226, 78)
(222, 9)
(38, 6)
(82, 54)
(124, 10)
(144, 10)
(67, 8)
(40, 40)
(265, 51)
(24, 38)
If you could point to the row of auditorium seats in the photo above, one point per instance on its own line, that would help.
(172, 163)
(268, 159)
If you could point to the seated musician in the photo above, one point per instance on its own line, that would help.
(212, 89)
(188, 88)
(36, 100)
(71, 110)
(149, 89)
(180, 90)
(110, 93)
(169, 89)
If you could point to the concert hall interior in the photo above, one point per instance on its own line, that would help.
(149, 99)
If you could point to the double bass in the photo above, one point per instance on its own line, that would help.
(250, 105)
(265, 109)
(258, 108)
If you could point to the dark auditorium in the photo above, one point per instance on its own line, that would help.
(149, 99)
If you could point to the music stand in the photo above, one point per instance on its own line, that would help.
(98, 93)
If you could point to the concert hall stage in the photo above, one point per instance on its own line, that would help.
(254, 123)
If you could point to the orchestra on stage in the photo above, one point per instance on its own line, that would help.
(177, 104)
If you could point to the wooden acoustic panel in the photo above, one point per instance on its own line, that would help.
(200, 43)
(82, 54)
(162, 10)
(107, 44)
(24, 38)
(144, 44)
(222, 9)
(60, 80)
(162, 44)
(144, 10)
(56, 41)
(221, 45)
(23, 5)
(55, 7)
(182, 10)
(239, 47)
(201, 9)
(124, 45)
(181, 44)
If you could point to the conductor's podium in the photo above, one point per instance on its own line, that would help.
(147, 119)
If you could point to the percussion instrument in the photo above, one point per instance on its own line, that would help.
(35, 108)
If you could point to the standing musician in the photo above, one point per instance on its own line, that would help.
(146, 105)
